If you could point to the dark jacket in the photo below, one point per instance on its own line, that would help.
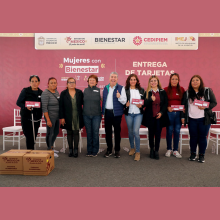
(126, 109)
(209, 97)
(91, 101)
(148, 112)
(27, 94)
(66, 108)
(118, 108)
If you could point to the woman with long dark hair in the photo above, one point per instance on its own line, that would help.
(198, 117)
(174, 93)
(155, 114)
(133, 113)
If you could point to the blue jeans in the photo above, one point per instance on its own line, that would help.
(198, 133)
(173, 129)
(134, 123)
(92, 124)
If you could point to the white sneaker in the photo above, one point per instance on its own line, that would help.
(55, 151)
(176, 154)
(168, 153)
(56, 155)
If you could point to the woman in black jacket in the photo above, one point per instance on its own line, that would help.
(155, 115)
(71, 101)
(32, 93)
(198, 117)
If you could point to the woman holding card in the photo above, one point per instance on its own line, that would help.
(174, 93)
(33, 94)
(134, 112)
(197, 116)
(155, 114)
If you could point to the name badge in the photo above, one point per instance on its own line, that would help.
(177, 94)
(39, 96)
(58, 97)
(95, 91)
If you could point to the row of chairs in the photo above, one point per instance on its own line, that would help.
(14, 133)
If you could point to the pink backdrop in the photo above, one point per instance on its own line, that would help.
(19, 60)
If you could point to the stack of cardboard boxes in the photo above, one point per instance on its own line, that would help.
(27, 162)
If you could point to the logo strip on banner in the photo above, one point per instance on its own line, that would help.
(114, 41)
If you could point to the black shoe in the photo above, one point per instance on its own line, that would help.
(151, 153)
(156, 155)
(201, 158)
(107, 154)
(75, 153)
(117, 154)
(70, 152)
(192, 157)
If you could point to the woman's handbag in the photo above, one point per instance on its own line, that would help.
(213, 118)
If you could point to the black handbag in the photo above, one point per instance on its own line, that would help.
(213, 118)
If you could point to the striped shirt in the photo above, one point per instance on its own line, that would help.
(50, 103)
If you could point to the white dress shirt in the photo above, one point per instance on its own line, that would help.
(155, 91)
(109, 101)
(134, 94)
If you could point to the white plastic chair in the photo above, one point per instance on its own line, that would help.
(42, 130)
(185, 132)
(144, 131)
(65, 140)
(215, 130)
(13, 131)
(102, 132)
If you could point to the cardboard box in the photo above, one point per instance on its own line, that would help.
(11, 162)
(38, 162)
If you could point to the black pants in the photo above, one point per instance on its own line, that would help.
(28, 131)
(73, 136)
(115, 121)
(154, 131)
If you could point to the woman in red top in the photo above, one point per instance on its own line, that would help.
(174, 93)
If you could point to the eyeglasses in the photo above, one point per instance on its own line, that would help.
(71, 83)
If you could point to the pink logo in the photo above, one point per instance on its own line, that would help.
(68, 39)
(137, 40)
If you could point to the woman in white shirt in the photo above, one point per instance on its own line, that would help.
(198, 118)
(134, 113)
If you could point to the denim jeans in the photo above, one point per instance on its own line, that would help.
(92, 124)
(198, 133)
(173, 129)
(52, 132)
(134, 123)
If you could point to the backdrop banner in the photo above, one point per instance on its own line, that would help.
(19, 60)
(109, 41)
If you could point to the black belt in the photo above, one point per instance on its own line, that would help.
(109, 110)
